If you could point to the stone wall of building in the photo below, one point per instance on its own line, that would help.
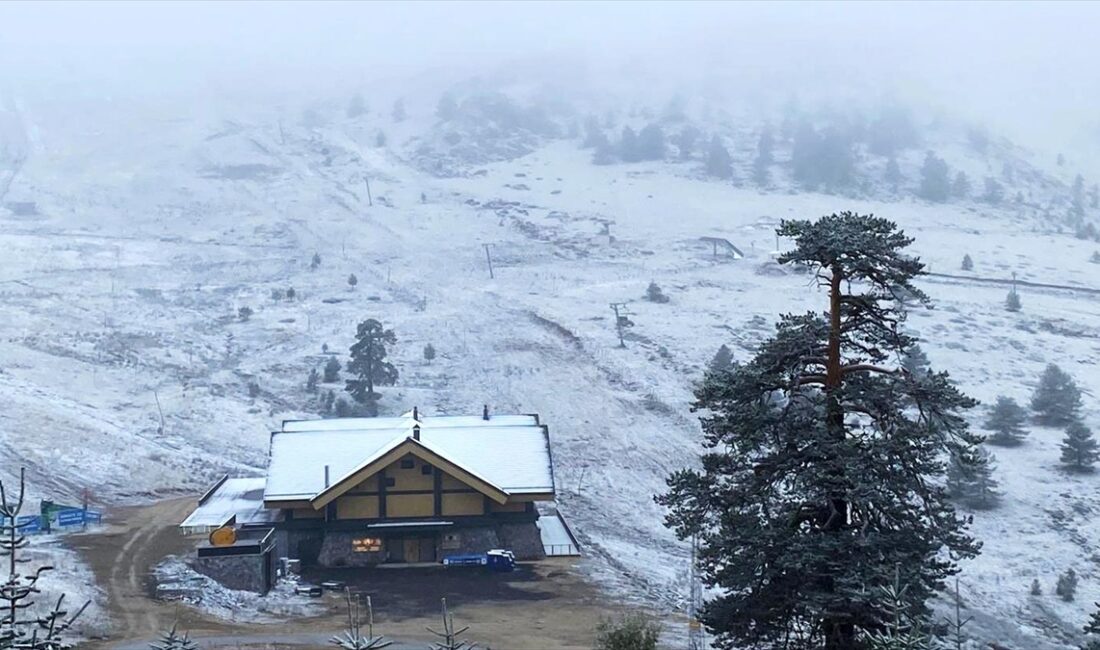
(336, 551)
(243, 572)
(523, 540)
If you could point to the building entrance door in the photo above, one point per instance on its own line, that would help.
(418, 549)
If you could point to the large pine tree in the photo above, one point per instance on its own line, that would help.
(1057, 399)
(368, 361)
(821, 474)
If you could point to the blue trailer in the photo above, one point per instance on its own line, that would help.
(495, 560)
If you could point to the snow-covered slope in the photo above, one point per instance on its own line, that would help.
(125, 367)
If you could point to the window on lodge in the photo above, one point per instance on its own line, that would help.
(407, 463)
(425, 469)
(366, 545)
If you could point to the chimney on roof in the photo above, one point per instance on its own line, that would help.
(416, 432)
(485, 412)
(416, 413)
(326, 476)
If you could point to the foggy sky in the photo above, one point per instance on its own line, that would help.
(1030, 68)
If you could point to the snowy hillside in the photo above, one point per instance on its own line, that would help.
(127, 364)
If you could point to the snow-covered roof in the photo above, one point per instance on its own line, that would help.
(241, 498)
(510, 452)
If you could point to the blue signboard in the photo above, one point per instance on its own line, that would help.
(70, 518)
(59, 518)
(29, 524)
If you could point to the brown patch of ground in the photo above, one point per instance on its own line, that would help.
(541, 606)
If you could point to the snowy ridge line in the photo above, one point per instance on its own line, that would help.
(1022, 283)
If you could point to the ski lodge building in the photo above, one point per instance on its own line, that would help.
(352, 492)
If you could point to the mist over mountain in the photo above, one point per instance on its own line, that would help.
(574, 206)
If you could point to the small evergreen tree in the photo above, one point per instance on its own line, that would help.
(311, 381)
(764, 158)
(398, 113)
(967, 264)
(994, 191)
(604, 153)
(291, 293)
(651, 143)
(970, 480)
(630, 632)
(1077, 197)
(1006, 421)
(653, 293)
(1079, 448)
(1036, 588)
(21, 626)
(328, 401)
(961, 187)
(253, 389)
(593, 132)
(1012, 300)
(341, 408)
(1066, 588)
(718, 163)
(173, 640)
(357, 106)
(893, 174)
(935, 185)
(1057, 399)
(368, 361)
(723, 360)
(915, 361)
(685, 141)
(360, 633)
(628, 146)
(901, 629)
(352, 280)
(244, 313)
(332, 371)
(447, 108)
(429, 353)
(315, 262)
(450, 638)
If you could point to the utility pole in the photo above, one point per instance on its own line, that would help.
(489, 259)
(621, 320)
(370, 201)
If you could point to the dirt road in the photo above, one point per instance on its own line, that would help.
(548, 606)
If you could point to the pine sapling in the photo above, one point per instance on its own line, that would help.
(1006, 421)
(332, 371)
(359, 635)
(1079, 448)
(449, 635)
(1057, 399)
(1012, 301)
(1067, 585)
(429, 353)
(723, 359)
(18, 630)
(653, 293)
(1036, 588)
(173, 640)
(967, 263)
